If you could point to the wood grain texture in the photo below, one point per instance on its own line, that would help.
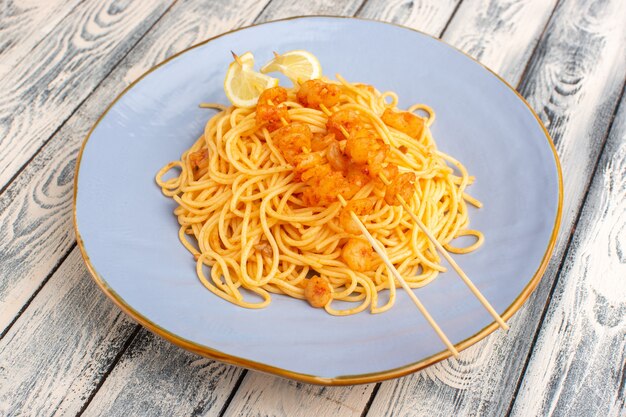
(573, 81)
(35, 210)
(42, 91)
(53, 357)
(263, 395)
(578, 365)
(428, 16)
(156, 378)
(35, 213)
(279, 9)
(501, 34)
(24, 23)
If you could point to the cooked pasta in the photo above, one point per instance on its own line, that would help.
(258, 197)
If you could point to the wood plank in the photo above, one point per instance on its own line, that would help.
(46, 185)
(500, 34)
(280, 9)
(578, 363)
(187, 384)
(35, 210)
(23, 24)
(462, 380)
(262, 395)
(573, 81)
(426, 15)
(42, 91)
(54, 356)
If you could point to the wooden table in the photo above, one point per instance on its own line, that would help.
(65, 349)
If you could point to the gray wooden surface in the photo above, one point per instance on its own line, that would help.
(65, 349)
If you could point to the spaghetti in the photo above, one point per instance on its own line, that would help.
(258, 197)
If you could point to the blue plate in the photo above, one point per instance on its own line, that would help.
(128, 234)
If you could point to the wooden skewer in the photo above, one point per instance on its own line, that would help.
(450, 260)
(441, 249)
(435, 242)
(383, 255)
(236, 57)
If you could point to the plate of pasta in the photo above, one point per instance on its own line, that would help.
(291, 199)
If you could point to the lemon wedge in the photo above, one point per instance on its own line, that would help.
(242, 84)
(297, 65)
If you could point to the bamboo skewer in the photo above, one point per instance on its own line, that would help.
(439, 247)
(383, 255)
(450, 260)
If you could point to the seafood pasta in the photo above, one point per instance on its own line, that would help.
(259, 197)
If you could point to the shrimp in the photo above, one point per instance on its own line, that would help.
(389, 172)
(292, 140)
(199, 159)
(321, 141)
(364, 148)
(324, 185)
(273, 96)
(264, 249)
(270, 116)
(270, 112)
(357, 178)
(306, 161)
(318, 291)
(350, 120)
(358, 255)
(405, 122)
(313, 93)
(359, 207)
(403, 186)
(336, 158)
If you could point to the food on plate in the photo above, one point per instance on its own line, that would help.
(260, 192)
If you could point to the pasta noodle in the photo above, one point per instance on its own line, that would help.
(244, 210)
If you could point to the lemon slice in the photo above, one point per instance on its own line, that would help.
(243, 85)
(247, 60)
(298, 66)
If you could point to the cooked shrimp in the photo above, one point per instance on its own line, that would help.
(338, 161)
(364, 148)
(405, 122)
(321, 141)
(306, 161)
(357, 178)
(312, 93)
(390, 171)
(403, 186)
(324, 185)
(270, 116)
(358, 255)
(270, 112)
(273, 96)
(199, 159)
(318, 291)
(350, 120)
(264, 249)
(292, 139)
(359, 207)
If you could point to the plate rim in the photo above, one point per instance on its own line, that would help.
(365, 378)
